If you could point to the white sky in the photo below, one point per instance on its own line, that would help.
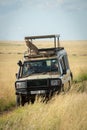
(20, 18)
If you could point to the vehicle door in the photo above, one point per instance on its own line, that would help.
(64, 67)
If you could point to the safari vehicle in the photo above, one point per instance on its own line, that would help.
(43, 71)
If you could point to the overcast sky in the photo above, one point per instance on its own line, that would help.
(20, 18)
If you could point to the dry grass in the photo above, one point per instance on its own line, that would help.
(11, 52)
(62, 112)
(9, 56)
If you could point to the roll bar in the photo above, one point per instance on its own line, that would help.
(55, 37)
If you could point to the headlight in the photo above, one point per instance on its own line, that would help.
(55, 82)
(21, 85)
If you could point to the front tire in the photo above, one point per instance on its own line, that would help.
(20, 100)
(66, 88)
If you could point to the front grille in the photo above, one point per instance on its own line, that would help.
(37, 83)
(41, 84)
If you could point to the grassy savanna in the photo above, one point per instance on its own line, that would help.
(63, 112)
(10, 53)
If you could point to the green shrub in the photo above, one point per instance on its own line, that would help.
(4, 106)
(81, 77)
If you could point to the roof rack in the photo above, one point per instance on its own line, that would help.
(42, 36)
(56, 38)
(33, 51)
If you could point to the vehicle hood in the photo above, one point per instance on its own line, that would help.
(40, 76)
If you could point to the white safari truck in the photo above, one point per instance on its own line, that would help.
(43, 71)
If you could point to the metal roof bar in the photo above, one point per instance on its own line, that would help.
(43, 36)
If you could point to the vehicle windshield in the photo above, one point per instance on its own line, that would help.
(41, 66)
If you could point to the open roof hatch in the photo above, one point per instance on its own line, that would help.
(33, 51)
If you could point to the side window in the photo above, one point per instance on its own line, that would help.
(62, 62)
(66, 62)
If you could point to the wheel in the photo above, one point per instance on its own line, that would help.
(59, 89)
(32, 99)
(22, 100)
(18, 99)
(66, 88)
(71, 76)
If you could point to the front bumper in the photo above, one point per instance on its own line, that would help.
(39, 87)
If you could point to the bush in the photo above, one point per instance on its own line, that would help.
(81, 77)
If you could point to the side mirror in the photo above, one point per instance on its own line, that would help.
(64, 71)
(20, 63)
(16, 75)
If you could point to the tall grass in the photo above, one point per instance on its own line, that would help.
(82, 77)
(63, 112)
(8, 67)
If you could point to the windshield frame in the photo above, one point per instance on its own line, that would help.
(49, 68)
